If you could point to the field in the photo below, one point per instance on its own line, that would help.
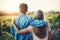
(5, 21)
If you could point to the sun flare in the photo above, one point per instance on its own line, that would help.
(11, 8)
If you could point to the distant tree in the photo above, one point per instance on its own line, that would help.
(52, 11)
(57, 12)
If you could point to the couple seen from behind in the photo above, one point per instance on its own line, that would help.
(26, 28)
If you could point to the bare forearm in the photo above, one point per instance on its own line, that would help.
(28, 29)
(24, 31)
(17, 30)
(20, 31)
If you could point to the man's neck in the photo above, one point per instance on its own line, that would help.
(23, 13)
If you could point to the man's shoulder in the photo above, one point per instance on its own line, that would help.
(20, 16)
(24, 17)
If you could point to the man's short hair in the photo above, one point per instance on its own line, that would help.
(23, 7)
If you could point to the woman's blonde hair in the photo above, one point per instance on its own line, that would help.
(39, 15)
(39, 31)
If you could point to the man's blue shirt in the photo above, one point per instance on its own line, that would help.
(22, 21)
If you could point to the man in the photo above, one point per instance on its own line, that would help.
(22, 21)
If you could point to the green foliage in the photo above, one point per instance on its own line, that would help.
(53, 18)
(6, 36)
(5, 28)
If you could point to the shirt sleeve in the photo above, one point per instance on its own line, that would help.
(37, 23)
(12, 30)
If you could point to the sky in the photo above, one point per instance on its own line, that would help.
(33, 5)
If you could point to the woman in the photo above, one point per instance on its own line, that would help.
(39, 33)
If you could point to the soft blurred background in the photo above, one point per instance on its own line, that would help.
(9, 9)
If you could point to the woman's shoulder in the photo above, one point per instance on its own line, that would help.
(46, 22)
